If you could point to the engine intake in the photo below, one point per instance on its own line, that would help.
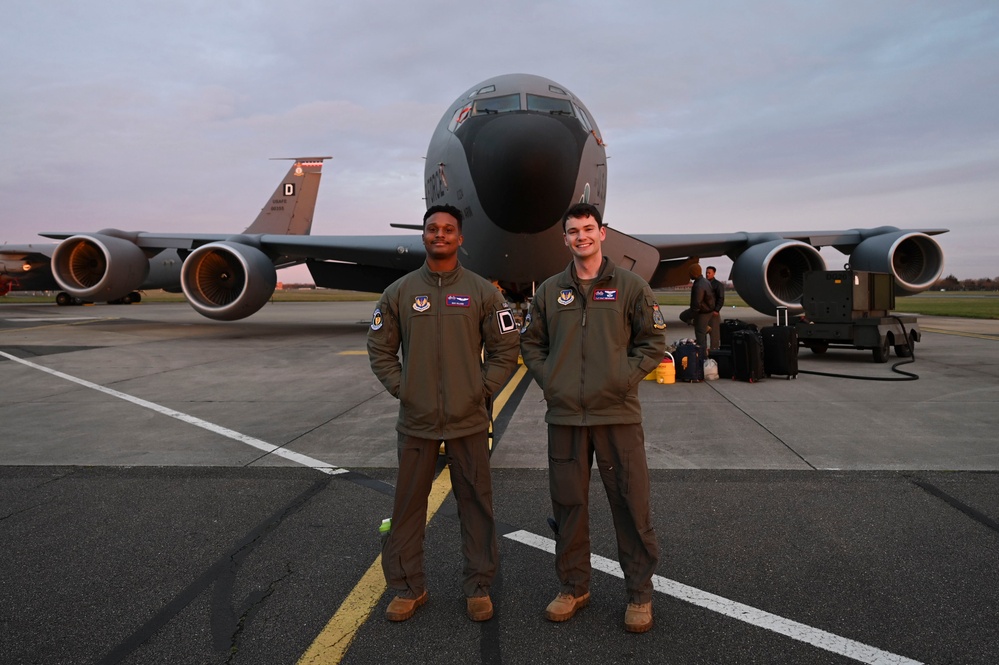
(99, 267)
(914, 259)
(772, 274)
(227, 281)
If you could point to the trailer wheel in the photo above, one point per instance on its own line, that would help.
(905, 350)
(881, 352)
(818, 348)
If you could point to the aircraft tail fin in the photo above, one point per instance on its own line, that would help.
(289, 210)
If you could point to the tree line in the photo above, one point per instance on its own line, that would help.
(952, 283)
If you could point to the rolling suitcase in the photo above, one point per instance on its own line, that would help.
(747, 356)
(688, 361)
(780, 351)
(730, 327)
(780, 347)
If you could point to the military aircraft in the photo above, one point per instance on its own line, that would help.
(513, 153)
(113, 265)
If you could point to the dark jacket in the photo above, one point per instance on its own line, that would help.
(702, 300)
(442, 321)
(718, 290)
(589, 355)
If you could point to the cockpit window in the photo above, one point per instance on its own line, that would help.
(549, 105)
(582, 118)
(496, 104)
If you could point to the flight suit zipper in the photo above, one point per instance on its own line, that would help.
(442, 417)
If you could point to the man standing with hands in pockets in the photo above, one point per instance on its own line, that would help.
(593, 333)
(459, 345)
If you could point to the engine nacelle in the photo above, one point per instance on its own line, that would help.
(772, 274)
(97, 266)
(915, 260)
(227, 280)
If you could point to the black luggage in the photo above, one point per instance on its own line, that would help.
(780, 351)
(747, 356)
(731, 326)
(723, 357)
(688, 361)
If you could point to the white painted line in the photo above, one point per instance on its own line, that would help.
(796, 631)
(304, 460)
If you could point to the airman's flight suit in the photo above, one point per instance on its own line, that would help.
(588, 349)
(442, 321)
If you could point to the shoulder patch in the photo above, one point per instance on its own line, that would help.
(505, 321)
(658, 322)
(376, 319)
(527, 322)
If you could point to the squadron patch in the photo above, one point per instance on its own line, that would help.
(605, 294)
(421, 303)
(565, 297)
(458, 301)
(505, 321)
(376, 319)
(658, 322)
(527, 322)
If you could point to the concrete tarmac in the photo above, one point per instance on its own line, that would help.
(174, 489)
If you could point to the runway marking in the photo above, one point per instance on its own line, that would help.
(353, 353)
(797, 631)
(56, 319)
(270, 448)
(958, 333)
(333, 641)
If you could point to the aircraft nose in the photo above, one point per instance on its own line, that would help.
(524, 167)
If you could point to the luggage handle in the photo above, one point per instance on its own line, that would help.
(782, 310)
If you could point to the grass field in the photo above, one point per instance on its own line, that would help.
(972, 305)
(968, 305)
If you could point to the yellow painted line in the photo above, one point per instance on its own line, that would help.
(332, 643)
(959, 334)
(353, 353)
(511, 385)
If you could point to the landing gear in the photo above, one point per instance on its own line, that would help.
(63, 299)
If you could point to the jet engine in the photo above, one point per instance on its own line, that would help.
(914, 259)
(99, 266)
(227, 280)
(772, 274)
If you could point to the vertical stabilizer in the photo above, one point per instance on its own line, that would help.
(289, 210)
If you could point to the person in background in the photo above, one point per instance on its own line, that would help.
(702, 306)
(718, 289)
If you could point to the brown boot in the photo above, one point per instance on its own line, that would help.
(479, 608)
(638, 617)
(565, 606)
(401, 609)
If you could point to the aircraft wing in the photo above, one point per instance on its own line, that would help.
(769, 268)
(680, 245)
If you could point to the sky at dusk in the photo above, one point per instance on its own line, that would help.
(718, 117)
